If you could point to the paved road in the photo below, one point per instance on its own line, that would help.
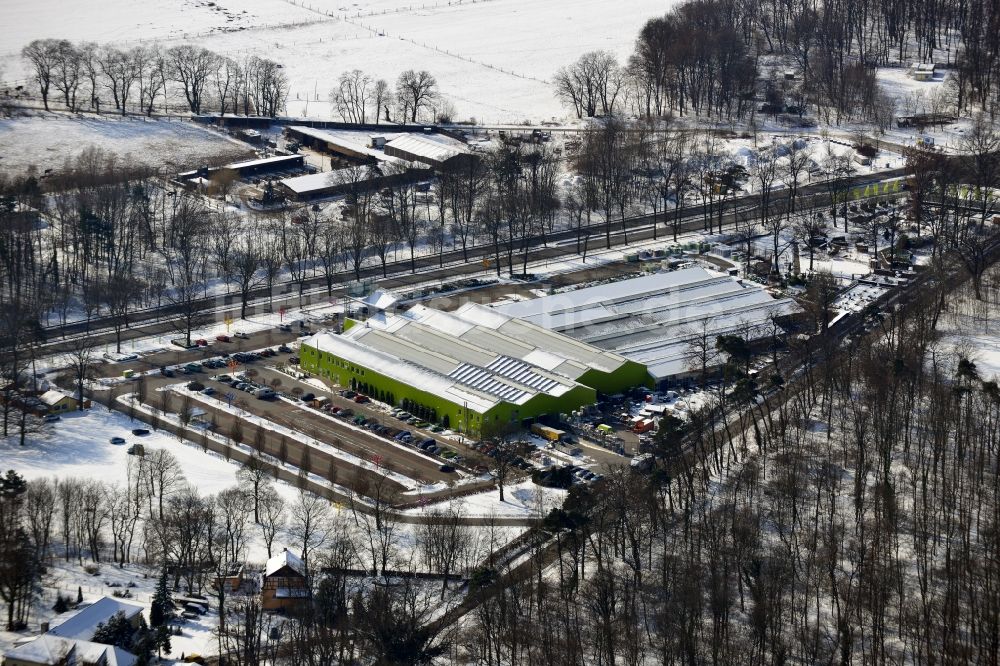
(548, 247)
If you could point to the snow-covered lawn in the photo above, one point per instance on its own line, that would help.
(78, 445)
(47, 141)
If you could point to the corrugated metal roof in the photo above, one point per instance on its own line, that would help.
(654, 319)
(423, 147)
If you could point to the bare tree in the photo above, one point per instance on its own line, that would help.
(43, 55)
(415, 91)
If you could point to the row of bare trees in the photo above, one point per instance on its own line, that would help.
(361, 98)
(146, 78)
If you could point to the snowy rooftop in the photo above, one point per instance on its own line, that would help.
(653, 319)
(49, 649)
(315, 181)
(354, 144)
(381, 299)
(285, 558)
(463, 361)
(426, 147)
(83, 625)
(52, 397)
(276, 160)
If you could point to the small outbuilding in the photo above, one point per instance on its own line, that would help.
(58, 402)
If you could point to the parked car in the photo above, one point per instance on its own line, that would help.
(201, 342)
(117, 440)
(287, 328)
(346, 413)
(51, 418)
(223, 338)
(361, 399)
(294, 360)
(285, 349)
(140, 431)
(242, 335)
(446, 469)
(166, 372)
(208, 390)
(264, 393)
(348, 394)
(308, 397)
(428, 440)
(193, 367)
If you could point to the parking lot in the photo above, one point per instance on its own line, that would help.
(328, 422)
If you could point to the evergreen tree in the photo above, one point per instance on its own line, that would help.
(161, 603)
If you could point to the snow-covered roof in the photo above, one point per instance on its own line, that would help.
(52, 397)
(424, 148)
(265, 161)
(285, 558)
(381, 299)
(49, 649)
(83, 625)
(459, 360)
(653, 319)
(315, 181)
(341, 141)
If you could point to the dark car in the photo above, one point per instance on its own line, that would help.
(166, 372)
(285, 349)
(308, 397)
(446, 468)
(293, 359)
(117, 440)
(140, 431)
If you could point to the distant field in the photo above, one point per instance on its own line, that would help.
(465, 44)
(46, 142)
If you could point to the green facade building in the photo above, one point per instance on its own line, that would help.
(468, 370)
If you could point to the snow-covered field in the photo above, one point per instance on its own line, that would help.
(492, 58)
(78, 446)
(48, 141)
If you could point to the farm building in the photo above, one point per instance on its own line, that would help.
(339, 144)
(470, 370)
(339, 181)
(656, 319)
(436, 151)
(248, 168)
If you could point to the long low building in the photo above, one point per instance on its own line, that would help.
(334, 183)
(656, 320)
(473, 370)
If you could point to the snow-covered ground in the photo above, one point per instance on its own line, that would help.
(78, 445)
(47, 141)
(492, 58)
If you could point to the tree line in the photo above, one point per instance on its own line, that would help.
(151, 77)
(706, 57)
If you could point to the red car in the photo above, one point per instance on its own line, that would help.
(223, 338)
(202, 342)
(361, 399)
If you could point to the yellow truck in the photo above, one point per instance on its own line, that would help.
(545, 432)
